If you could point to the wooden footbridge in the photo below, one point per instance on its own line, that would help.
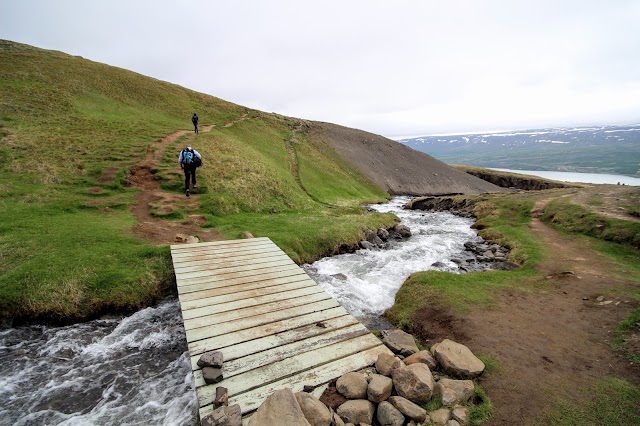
(275, 326)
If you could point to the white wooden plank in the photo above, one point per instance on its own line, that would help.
(255, 284)
(212, 267)
(251, 400)
(186, 276)
(290, 366)
(226, 257)
(245, 341)
(240, 324)
(260, 359)
(239, 307)
(229, 281)
(267, 269)
(223, 252)
(218, 318)
(239, 295)
(179, 247)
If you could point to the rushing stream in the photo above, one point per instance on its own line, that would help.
(135, 370)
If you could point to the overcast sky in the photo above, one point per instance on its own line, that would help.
(396, 68)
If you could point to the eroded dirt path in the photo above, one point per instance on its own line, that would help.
(547, 343)
(151, 196)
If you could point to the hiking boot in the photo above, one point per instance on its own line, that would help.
(195, 186)
(186, 193)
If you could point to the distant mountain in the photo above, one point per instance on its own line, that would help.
(603, 149)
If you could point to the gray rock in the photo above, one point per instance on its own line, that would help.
(386, 363)
(379, 389)
(414, 382)
(212, 375)
(341, 277)
(457, 359)
(388, 415)
(460, 414)
(408, 408)
(438, 265)
(453, 422)
(280, 408)
(454, 391)
(337, 420)
(211, 359)
(489, 254)
(403, 230)
(399, 342)
(440, 417)
(366, 245)
(223, 416)
(357, 411)
(316, 413)
(423, 357)
(352, 385)
(383, 234)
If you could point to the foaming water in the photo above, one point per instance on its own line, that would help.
(374, 276)
(126, 371)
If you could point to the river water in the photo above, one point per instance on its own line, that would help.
(135, 370)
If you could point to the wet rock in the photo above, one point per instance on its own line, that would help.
(402, 230)
(223, 416)
(357, 411)
(423, 357)
(211, 359)
(386, 363)
(414, 382)
(352, 385)
(379, 388)
(438, 265)
(341, 277)
(388, 415)
(454, 391)
(460, 414)
(399, 342)
(372, 237)
(316, 413)
(489, 254)
(280, 408)
(383, 234)
(408, 408)
(456, 359)
(366, 245)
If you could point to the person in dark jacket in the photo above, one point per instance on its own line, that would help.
(194, 120)
(187, 160)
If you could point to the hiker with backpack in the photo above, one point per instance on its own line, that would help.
(189, 160)
(194, 120)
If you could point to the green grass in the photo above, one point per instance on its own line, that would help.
(67, 250)
(503, 220)
(481, 407)
(612, 402)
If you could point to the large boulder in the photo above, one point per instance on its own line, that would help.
(357, 411)
(454, 391)
(352, 385)
(423, 357)
(457, 359)
(388, 415)
(414, 382)
(279, 409)
(408, 408)
(399, 342)
(386, 363)
(315, 411)
(379, 388)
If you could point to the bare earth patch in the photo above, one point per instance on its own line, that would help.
(548, 343)
(607, 200)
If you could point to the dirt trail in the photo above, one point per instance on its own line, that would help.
(142, 177)
(549, 343)
(609, 200)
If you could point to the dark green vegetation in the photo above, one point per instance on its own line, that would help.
(612, 402)
(70, 129)
(613, 149)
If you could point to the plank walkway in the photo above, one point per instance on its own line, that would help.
(275, 326)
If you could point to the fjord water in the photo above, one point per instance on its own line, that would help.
(597, 178)
(135, 370)
(365, 282)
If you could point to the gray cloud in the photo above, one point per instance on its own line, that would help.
(395, 68)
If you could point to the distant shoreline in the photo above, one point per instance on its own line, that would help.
(595, 178)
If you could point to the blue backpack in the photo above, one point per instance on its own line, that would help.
(187, 157)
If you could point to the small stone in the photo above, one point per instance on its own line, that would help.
(212, 375)
(388, 415)
(408, 408)
(423, 357)
(211, 359)
(308, 388)
(366, 245)
(599, 298)
(456, 359)
(247, 234)
(399, 342)
(321, 324)
(341, 277)
(222, 397)
(357, 411)
(379, 388)
(386, 363)
(414, 382)
(460, 414)
(440, 417)
(585, 298)
(192, 240)
(453, 423)
(223, 416)
(352, 385)
(455, 391)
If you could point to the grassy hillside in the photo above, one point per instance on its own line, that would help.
(69, 125)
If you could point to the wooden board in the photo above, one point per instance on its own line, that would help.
(274, 325)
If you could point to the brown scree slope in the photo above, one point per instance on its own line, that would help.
(395, 167)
